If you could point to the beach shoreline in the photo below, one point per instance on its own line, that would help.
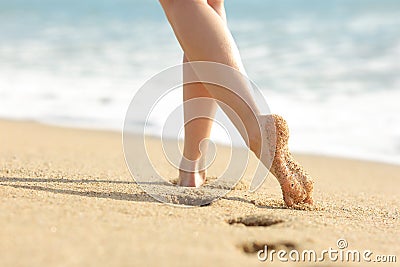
(68, 199)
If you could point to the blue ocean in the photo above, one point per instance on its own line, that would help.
(330, 67)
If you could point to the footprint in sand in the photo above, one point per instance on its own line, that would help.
(255, 220)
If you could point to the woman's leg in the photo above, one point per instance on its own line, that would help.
(198, 129)
(204, 36)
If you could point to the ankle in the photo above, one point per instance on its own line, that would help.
(264, 136)
(255, 140)
(255, 145)
(192, 166)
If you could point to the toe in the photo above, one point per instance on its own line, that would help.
(288, 201)
(309, 200)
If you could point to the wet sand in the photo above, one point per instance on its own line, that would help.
(67, 199)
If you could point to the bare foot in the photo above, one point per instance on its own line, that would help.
(296, 184)
(191, 179)
(192, 173)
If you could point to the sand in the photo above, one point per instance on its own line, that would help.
(67, 199)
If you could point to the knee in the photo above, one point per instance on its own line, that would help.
(215, 3)
(165, 3)
(168, 3)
